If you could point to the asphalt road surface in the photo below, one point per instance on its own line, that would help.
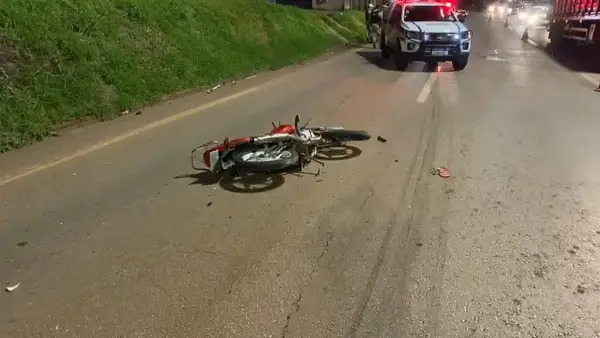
(110, 233)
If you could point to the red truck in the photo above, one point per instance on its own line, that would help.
(574, 22)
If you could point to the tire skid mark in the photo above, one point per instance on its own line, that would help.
(426, 143)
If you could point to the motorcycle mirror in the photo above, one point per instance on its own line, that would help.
(226, 143)
(296, 121)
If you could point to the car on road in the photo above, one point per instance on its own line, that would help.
(427, 31)
(535, 16)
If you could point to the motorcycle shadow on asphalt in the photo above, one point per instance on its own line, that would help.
(252, 183)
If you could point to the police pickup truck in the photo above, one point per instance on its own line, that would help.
(424, 30)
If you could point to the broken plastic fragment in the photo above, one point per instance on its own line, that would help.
(381, 139)
(12, 288)
(441, 171)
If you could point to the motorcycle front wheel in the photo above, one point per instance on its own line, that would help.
(263, 160)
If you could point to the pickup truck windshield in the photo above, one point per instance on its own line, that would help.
(428, 13)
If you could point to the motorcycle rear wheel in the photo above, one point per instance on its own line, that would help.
(346, 135)
(256, 160)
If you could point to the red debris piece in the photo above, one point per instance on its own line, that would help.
(444, 172)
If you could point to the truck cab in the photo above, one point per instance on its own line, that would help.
(428, 31)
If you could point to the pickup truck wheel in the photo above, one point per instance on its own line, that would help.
(460, 62)
(385, 53)
(400, 61)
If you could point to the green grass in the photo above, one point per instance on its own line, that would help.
(70, 60)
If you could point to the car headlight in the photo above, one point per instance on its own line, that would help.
(532, 19)
(500, 9)
(412, 35)
(522, 16)
(491, 8)
(465, 35)
(510, 11)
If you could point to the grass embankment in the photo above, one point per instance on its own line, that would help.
(63, 61)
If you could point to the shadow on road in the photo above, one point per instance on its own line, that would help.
(337, 153)
(245, 184)
(578, 59)
(374, 56)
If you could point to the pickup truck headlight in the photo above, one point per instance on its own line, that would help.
(465, 35)
(412, 35)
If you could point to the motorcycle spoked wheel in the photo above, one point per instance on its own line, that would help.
(375, 35)
(257, 159)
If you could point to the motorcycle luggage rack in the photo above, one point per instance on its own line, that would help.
(203, 147)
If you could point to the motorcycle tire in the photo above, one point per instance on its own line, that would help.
(346, 135)
(237, 156)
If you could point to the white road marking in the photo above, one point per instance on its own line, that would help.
(495, 58)
(590, 78)
(449, 86)
(426, 90)
(532, 42)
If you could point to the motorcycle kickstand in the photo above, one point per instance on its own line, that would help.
(319, 162)
(314, 159)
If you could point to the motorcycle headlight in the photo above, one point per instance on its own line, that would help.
(491, 8)
(412, 35)
(465, 35)
(522, 16)
(500, 9)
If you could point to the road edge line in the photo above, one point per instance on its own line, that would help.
(154, 125)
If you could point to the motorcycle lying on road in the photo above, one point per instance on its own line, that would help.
(286, 146)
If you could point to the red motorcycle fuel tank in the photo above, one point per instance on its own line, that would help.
(284, 129)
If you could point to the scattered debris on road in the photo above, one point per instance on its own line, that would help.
(209, 204)
(580, 289)
(396, 161)
(441, 172)
(139, 112)
(251, 77)
(22, 243)
(12, 288)
(126, 112)
(381, 139)
(213, 89)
